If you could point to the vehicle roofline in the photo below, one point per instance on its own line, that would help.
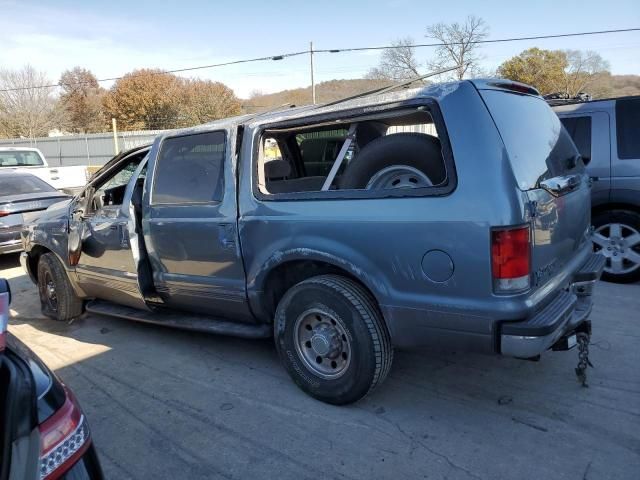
(20, 149)
(574, 102)
(436, 91)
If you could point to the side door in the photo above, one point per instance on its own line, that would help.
(190, 224)
(103, 236)
(590, 132)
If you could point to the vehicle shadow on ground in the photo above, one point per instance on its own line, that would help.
(10, 260)
(165, 403)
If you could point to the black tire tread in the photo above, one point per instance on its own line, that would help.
(366, 306)
(70, 306)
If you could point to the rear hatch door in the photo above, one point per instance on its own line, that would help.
(550, 172)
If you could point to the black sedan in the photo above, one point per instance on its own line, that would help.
(22, 196)
(43, 432)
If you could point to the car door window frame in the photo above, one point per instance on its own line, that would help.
(627, 146)
(354, 115)
(156, 166)
(86, 196)
(574, 122)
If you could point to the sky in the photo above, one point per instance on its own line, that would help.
(115, 37)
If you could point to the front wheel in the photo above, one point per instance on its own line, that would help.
(57, 298)
(617, 236)
(332, 339)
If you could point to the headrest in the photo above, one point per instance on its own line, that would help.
(277, 169)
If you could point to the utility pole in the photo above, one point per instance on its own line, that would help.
(313, 83)
(116, 148)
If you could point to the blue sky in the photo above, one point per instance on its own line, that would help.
(112, 38)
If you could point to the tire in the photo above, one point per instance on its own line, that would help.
(61, 303)
(626, 251)
(343, 311)
(415, 150)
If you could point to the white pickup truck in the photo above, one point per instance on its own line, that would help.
(68, 179)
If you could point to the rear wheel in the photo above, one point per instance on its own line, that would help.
(332, 339)
(57, 298)
(617, 237)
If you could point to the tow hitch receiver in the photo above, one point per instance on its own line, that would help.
(566, 342)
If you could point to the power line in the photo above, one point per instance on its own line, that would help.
(497, 40)
(162, 72)
(334, 50)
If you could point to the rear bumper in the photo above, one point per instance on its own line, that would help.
(10, 234)
(563, 315)
(10, 246)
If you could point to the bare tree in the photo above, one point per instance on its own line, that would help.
(81, 99)
(398, 63)
(25, 110)
(583, 72)
(459, 45)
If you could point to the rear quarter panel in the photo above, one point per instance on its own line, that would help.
(382, 242)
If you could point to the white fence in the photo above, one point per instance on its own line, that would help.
(89, 149)
(98, 148)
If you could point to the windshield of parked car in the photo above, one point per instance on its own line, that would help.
(21, 184)
(538, 146)
(16, 158)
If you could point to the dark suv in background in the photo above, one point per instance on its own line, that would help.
(607, 134)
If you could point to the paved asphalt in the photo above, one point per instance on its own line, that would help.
(166, 404)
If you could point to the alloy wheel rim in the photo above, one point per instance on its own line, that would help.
(322, 343)
(620, 244)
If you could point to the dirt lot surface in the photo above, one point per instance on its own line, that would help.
(167, 404)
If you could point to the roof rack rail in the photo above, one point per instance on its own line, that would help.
(561, 98)
(389, 88)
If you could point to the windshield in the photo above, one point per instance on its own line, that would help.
(539, 147)
(16, 158)
(21, 184)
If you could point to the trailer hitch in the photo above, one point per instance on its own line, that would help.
(583, 338)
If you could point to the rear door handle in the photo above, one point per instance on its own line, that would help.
(557, 186)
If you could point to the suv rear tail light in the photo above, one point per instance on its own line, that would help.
(511, 259)
(64, 437)
(5, 300)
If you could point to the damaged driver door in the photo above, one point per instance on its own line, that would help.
(104, 241)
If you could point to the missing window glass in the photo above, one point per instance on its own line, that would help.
(389, 151)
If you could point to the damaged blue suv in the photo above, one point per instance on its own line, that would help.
(454, 214)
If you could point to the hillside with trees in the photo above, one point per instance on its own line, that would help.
(325, 92)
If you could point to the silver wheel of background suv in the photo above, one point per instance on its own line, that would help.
(620, 244)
